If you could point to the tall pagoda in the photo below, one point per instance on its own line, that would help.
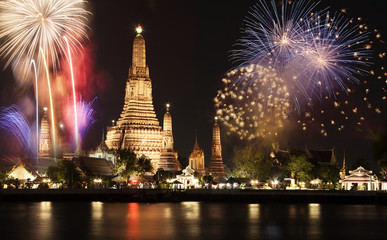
(216, 168)
(137, 128)
(44, 138)
(168, 157)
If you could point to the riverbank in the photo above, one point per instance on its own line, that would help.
(204, 195)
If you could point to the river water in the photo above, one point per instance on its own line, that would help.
(190, 220)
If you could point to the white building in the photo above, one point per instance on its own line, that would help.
(362, 179)
(187, 179)
(103, 151)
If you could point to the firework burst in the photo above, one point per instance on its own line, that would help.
(297, 64)
(312, 50)
(13, 121)
(26, 26)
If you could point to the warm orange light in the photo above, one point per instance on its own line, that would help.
(139, 29)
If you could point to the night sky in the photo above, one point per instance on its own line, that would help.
(188, 46)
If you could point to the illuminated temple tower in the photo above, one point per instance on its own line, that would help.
(138, 128)
(216, 168)
(196, 159)
(168, 158)
(44, 138)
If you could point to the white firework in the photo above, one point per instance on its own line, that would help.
(30, 27)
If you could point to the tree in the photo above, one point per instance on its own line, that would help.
(207, 179)
(162, 175)
(126, 163)
(328, 174)
(129, 165)
(143, 165)
(300, 167)
(65, 171)
(379, 144)
(250, 162)
(3, 175)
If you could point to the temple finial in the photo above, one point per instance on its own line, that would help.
(167, 106)
(139, 29)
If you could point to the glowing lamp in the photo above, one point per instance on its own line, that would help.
(139, 29)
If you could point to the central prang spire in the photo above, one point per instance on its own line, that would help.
(138, 58)
(137, 128)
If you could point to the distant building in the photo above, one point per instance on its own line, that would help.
(95, 167)
(361, 179)
(342, 170)
(102, 151)
(187, 179)
(196, 159)
(322, 157)
(42, 165)
(23, 172)
(216, 168)
(44, 139)
(168, 157)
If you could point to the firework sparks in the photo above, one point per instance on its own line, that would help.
(12, 120)
(315, 52)
(297, 64)
(74, 97)
(51, 103)
(37, 107)
(86, 119)
(26, 26)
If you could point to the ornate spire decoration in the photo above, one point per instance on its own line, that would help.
(44, 139)
(196, 146)
(216, 167)
(196, 159)
(168, 157)
(137, 128)
(342, 170)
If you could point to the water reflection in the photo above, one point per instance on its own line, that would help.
(133, 218)
(292, 211)
(191, 213)
(314, 220)
(44, 223)
(253, 227)
(169, 218)
(253, 212)
(96, 217)
(190, 220)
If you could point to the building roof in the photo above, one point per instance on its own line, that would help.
(188, 170)
(359, 175)
(43, 163)
(95, 166)
(196, 146)
(322, 156)
(360, 171)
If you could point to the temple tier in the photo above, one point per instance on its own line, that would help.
(137, 128)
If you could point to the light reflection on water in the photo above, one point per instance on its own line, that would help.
(314, 220)
(96, 217)
(191, 214)
(253, 227)
(44, 220)
(190, 220)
